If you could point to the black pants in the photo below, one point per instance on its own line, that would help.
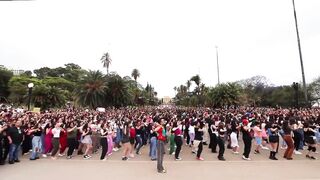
(6, 148)
(178, 141)
(296, 139)
(104, 145)
(27, 144)
(213, 142)
(247, 146)
(221, 146)
(1, 151)
(188, 137)
(200, 147)
(72, 143)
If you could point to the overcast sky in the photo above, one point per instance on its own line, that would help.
(168, 41)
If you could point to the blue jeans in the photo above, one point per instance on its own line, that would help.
(153, 148)
(36, 147)
(138, 144)
(14, 152)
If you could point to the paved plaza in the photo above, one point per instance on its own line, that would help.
(142, 168)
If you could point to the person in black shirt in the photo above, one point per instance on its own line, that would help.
(139, 142)
(15, 137)
(310, 138)
(247, 139)
(36, 131)
(221, 134)
(198, 139)
(3, 127)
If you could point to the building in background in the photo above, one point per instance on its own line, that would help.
(17, 72)
(167, 100)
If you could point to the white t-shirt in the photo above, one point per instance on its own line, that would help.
(56, 132)
(191, 129)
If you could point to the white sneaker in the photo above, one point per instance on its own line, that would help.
(247, 159)
(60, 155)
(235, 152)
(44, 155)
(297, 152)
(265, 148)
(115, 149)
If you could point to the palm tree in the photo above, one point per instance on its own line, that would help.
(106, 61)
(118, 93)
(91, 91)
(188, 85)
(135, 74)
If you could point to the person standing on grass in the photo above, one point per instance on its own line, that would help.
(160, 145)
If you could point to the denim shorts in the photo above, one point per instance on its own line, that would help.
(258, 140)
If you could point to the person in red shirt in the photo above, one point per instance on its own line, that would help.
(160, 145)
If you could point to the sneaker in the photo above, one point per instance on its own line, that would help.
(103, 159)
(31, 159)
(54, 158)
(89, 156)
(200, 159)
(265, 148)
(11, 162)
(235, 152)
(131, 155)
(138, 153)
(163, 171)
(256, 152)
(60, 155)
(109, 154)
(311, 157)
(124, 158)
(69, 157)
(221, 158)
(17, 161)
(247, 159)
(297, 153)
(193, 152)
(115, 149)
(86, 157)
(44, 155)
(153, 159)
(178, 159)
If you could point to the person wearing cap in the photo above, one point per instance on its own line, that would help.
(245, 129)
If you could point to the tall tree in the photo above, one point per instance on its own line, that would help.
(5, 76)
(106, 61)
(135, 74)
(92, 90)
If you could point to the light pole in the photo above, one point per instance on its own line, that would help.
(218, 65)
(300, 54)
(30, 86)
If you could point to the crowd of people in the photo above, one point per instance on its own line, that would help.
(72, 132)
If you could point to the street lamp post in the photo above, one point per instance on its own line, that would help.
(300, 55)
(30, 86)
(218, 65)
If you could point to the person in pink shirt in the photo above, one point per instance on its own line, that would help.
(258, 137)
